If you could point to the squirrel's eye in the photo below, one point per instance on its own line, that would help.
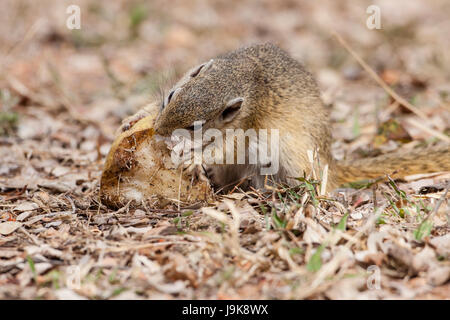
(170, 96)
(197, 71)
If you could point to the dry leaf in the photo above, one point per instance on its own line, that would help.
(9, 227)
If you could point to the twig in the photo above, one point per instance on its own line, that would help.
(330, 267)
(390, 91)
(32, 237)
(179, 190)
(29, 34)
(440, 201)
(428, 130)
(323, 186)
(149, 245)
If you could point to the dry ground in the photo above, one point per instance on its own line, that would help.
(63, 94)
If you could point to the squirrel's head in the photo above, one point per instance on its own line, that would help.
(210, 93)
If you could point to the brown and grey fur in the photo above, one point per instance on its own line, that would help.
(275, 92)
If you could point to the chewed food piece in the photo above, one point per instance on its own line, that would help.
(139, 168)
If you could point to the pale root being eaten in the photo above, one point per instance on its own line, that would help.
(139, 169)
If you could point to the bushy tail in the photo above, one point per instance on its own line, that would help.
(396, 164)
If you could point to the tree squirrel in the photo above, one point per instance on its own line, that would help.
(261, 86)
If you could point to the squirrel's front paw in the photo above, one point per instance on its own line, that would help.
(129, 122)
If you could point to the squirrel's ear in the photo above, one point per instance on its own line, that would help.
(231, 110)
(201, 68)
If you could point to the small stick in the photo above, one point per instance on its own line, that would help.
(323, 186)
(32, 237)
(389, 90)
(440, 201)
(428, 130)
(179, 191)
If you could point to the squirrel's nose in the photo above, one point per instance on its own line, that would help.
(157, 125)
(158, 129)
